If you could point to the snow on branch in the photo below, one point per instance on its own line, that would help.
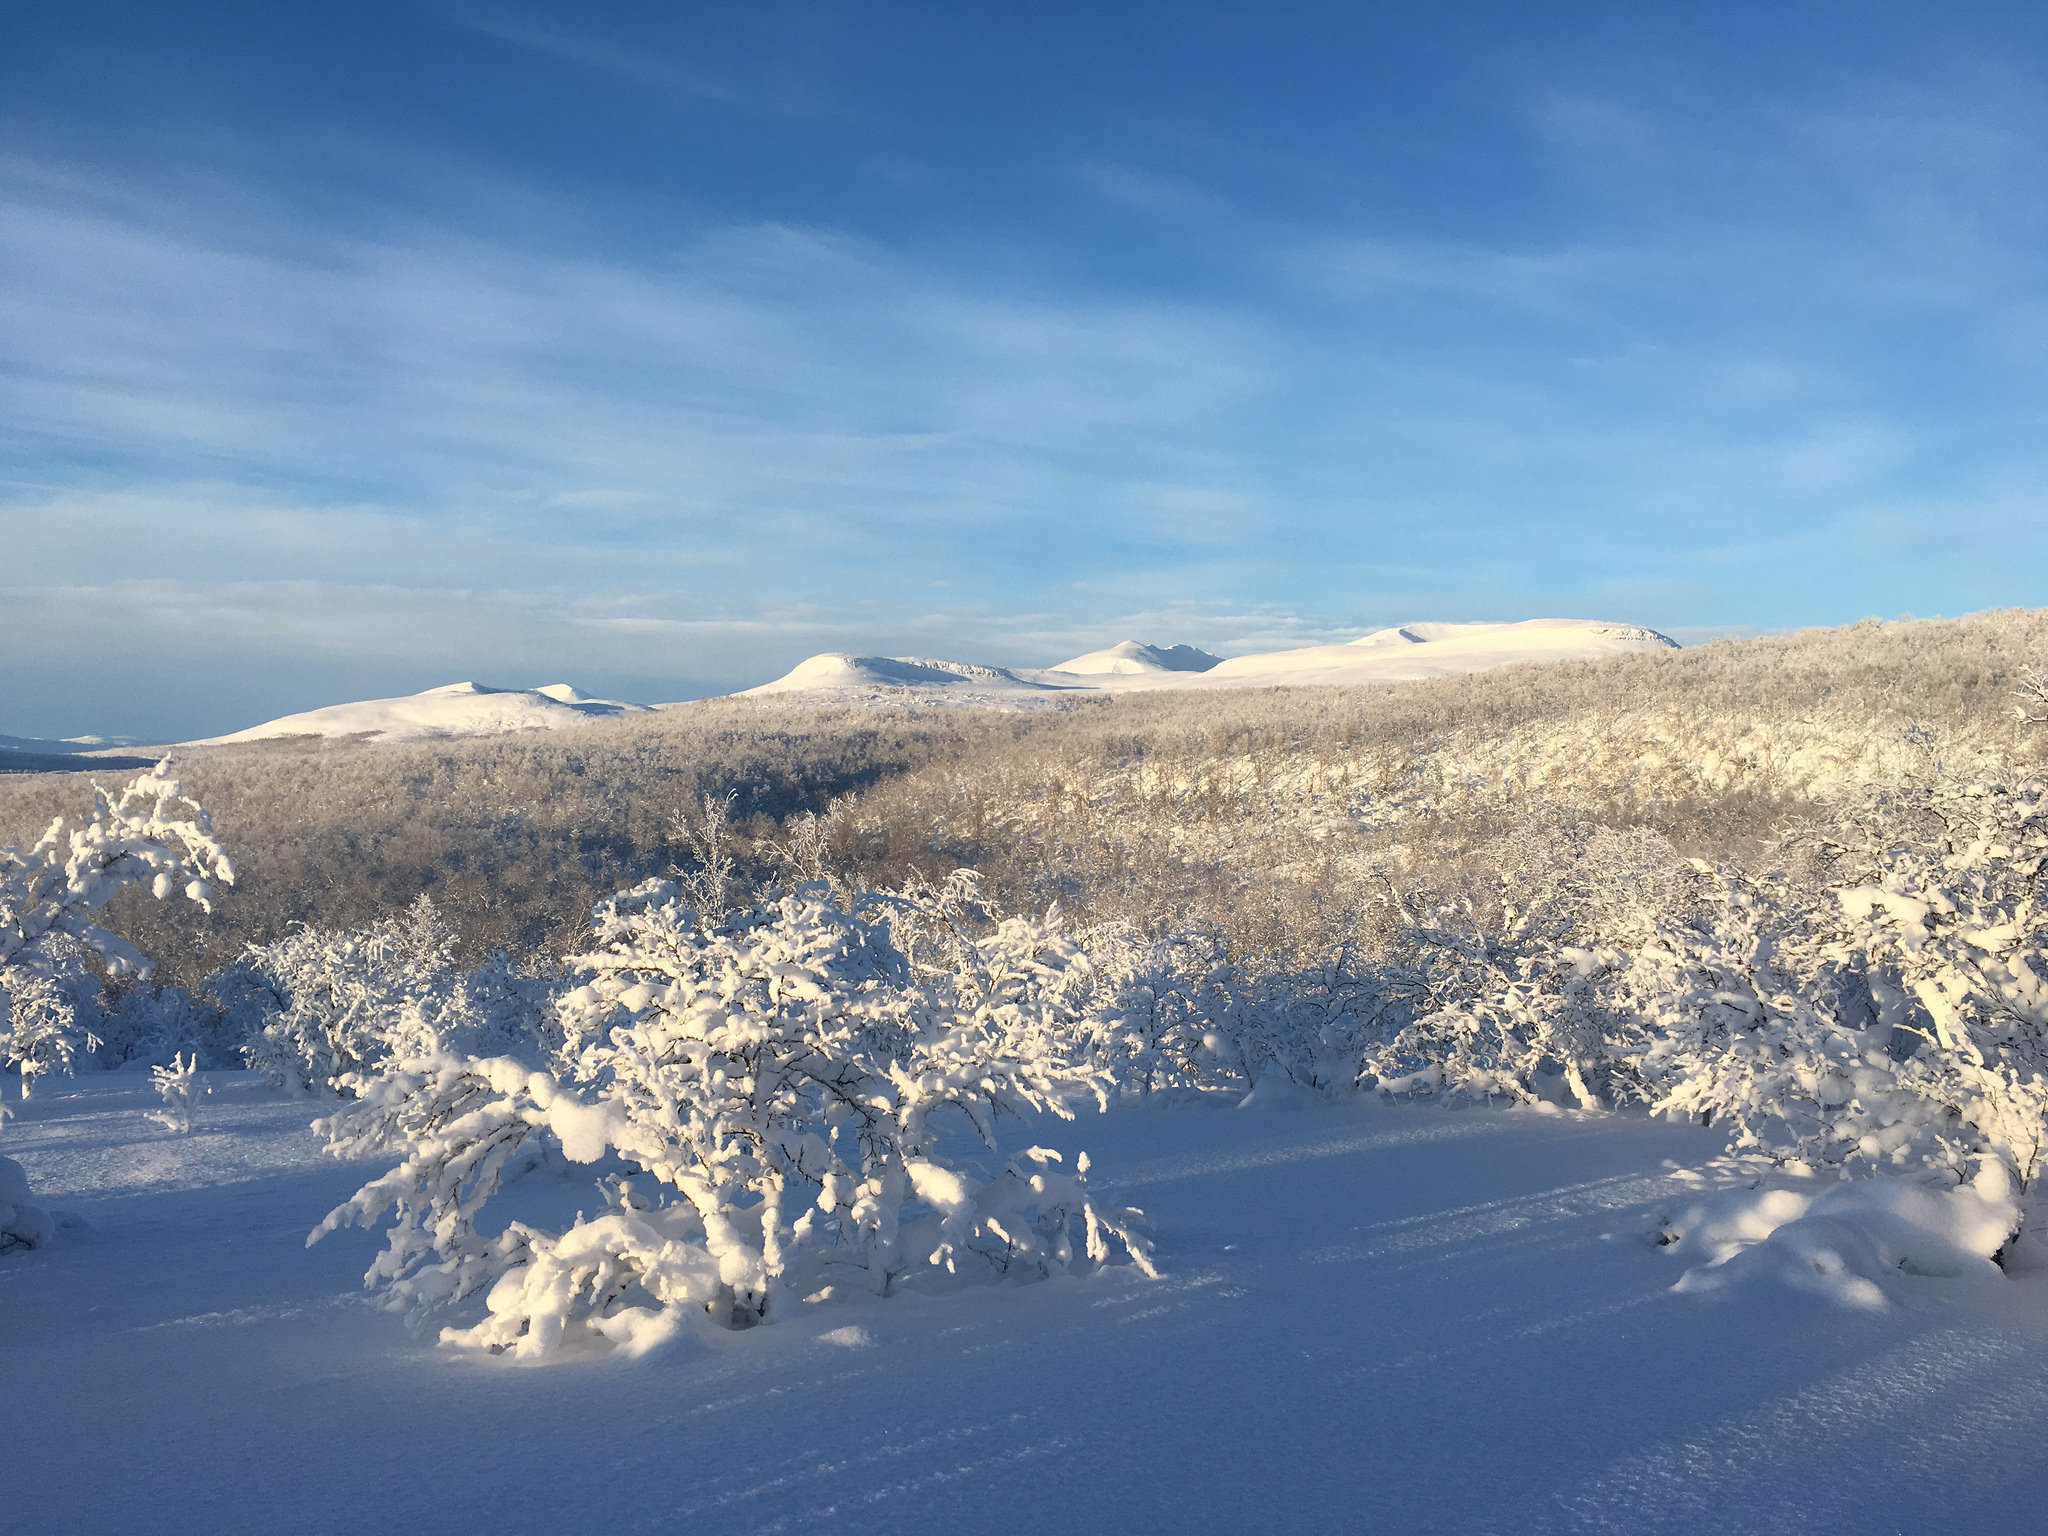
(792, 1081)
(149, 833)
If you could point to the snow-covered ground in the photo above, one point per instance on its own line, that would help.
(1371, 1318)
(456, 709)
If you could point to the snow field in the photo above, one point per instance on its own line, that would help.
(1370, 1318)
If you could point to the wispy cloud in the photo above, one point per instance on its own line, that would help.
(642, 67)
(1768, 373)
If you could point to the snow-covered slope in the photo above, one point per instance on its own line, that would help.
(841, 673)
(1133, 658)
(1371, 1318)
(458, 709)
(1414, 651)
(1403, 654)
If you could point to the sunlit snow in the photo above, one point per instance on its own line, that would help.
(457, 709)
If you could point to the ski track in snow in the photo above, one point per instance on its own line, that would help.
(1371, 1319)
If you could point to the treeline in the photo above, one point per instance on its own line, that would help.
(514, 837)
(1280, 814)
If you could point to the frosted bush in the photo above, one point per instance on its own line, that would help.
(347, 1002)
(1513, 988)
(147, 834)
(350, 1000)
(780, 1077)
(49, 1013)
(1957, 914)
(181, 1088)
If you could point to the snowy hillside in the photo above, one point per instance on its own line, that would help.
(1405, 654)
(1370, 1318)
(458, 709)
(1133, 658)
(848, 676)
(1416, 651)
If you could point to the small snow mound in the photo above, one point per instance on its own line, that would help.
(852, 1336)
(23, 1223)
(1846, 1243)
(1276, 1090)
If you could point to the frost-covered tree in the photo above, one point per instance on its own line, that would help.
(345, 1002)
(1510, 987)
(149, 833)
(783, 1078)
(1956, 912)
(49, 1011)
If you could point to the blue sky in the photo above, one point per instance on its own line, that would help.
(347, 350)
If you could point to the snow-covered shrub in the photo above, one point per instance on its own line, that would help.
(346, 1002)
(181, 1088)
(1850, 1242)
(1752, 1023)
(153, 1025)
(49, 1011)
(1172, 1010)
(1889, 1009)
(1511, 988)
(150, 833)
(782, 1077)
(351, 999)
(1955, 911)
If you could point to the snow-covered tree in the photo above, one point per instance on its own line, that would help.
(49, 1011)
(1957, 912)
(1510, 987)
(783, 1078)
(149, 833)
(335, 1005)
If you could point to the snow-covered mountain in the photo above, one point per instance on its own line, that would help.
(457, 709)
(1386, 656)
(838, 672)
(1133, 658)
(1404, 654)
(1414, 651)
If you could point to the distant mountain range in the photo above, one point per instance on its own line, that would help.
(1402, 654)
